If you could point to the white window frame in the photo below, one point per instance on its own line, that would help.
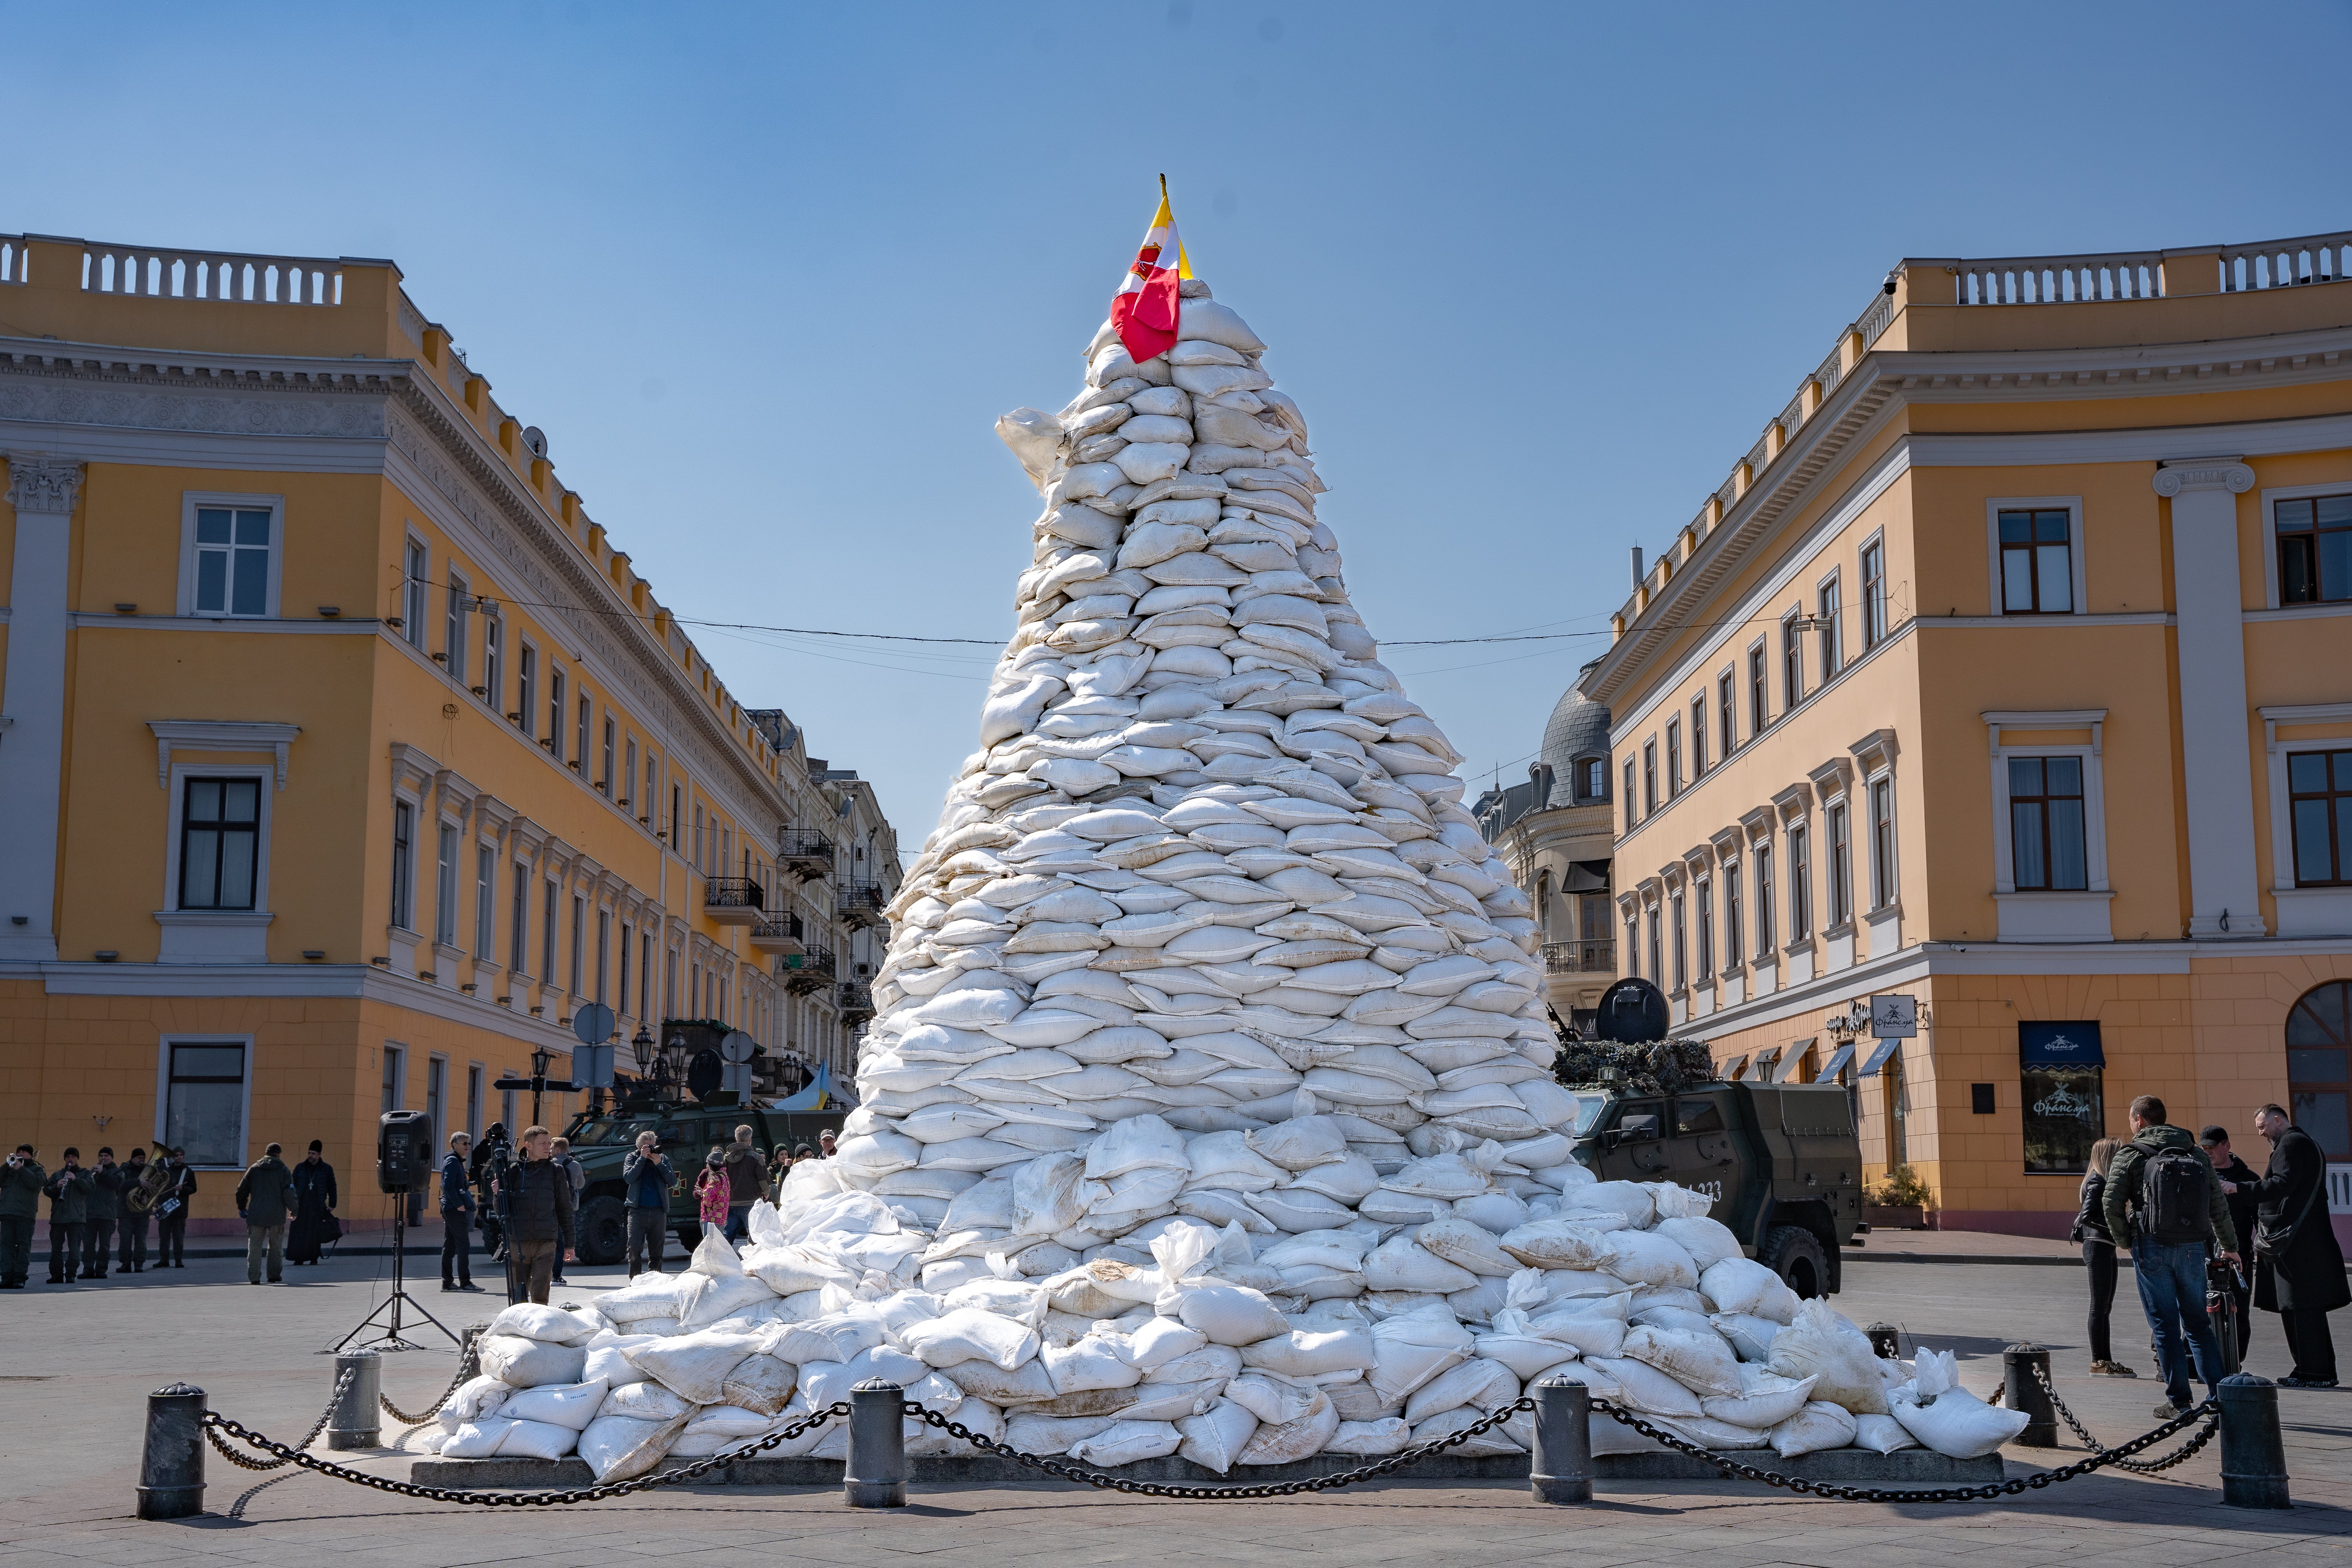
(276, 505)
(2270, 540)
(163, 1044)
(485, 902)
(2302, 911)
(1829, 657)
(2070, 915)
(494, 672)
(1862, 602)
(1996, 505)
(404, 920)
(416, 587)
(1727, 683)
(455, 646)
(449, 831)
(399, 1074)
(527, 674)
(181, 773)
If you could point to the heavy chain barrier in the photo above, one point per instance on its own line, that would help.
(468, 1363)
(216, 1423)
(1988, 1492)
(2137, 1467)
(342, 1386)
(1215, 1494)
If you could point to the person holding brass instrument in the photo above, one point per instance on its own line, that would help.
(142, 1187)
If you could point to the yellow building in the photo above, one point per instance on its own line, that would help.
(2012, 672)
(342, 757)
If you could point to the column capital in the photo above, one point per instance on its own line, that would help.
(2204, 474)
(39, 483)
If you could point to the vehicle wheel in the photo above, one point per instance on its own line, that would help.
(688, 1237)
(604, 1231)
(1795, 1254)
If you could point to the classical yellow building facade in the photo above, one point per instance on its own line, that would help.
(2011, 672)
(343, 758)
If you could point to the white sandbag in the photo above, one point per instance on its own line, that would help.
(527, 1363)
(1387, 1435)
(1412, 1347)
(1400, 1263)
(620, 1449)
(1819, 1425)
(648, 1296)
(1709, 1432)
(1272, 1397)
(1486, 1385)
(1881, 1434)
(1158, 1342)
(1230, 1314)
(1768, 1400)
(1589, 1326)
(1090, 1364)
(789, 1270)
(1674, 1201)
(1646, 1258)
(826, 1383)
(1047, 1435)
(537, 1440)
(1557, 1243)
(1751, 1338)
(475, 1397)
(1703, 1364)
(1215, 1437)
(696, 1365)
(571, 1406)
(646, 1402)
(706, 1299)
(1125, 1442)
(1171, 1401)
(1305, 1353)
(1708, 1241)
(531, 1320)
(971, 1333)
(1741, 1285)
(1446, 1423)
(1293, 1440)
(476, 1439)
(1462, 1242)
(760, 1382)
(1820, 1345)
(1934, 1408)
(1645, 1388)
(608, 1361)
(1634, 1200)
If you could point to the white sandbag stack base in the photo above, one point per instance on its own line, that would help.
(1208, 1109)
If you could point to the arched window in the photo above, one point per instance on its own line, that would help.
(2318, 1071)
(1593, 778)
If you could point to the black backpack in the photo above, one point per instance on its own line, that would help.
(2173, 1196)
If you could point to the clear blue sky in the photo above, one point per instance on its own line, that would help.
(1537, 274)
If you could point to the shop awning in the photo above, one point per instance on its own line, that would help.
(1729, 1071)
(2073, 1044)
(1883, 1049)
(1586, 876)
(1766, 1060)
(1837, 1062)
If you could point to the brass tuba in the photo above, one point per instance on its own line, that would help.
(143, 1197)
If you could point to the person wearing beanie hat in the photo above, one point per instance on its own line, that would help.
(314, 1223)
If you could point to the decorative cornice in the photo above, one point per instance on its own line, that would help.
(2204, 474)
(41, 485)
(219, 735)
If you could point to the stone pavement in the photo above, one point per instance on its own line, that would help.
(78, 1362)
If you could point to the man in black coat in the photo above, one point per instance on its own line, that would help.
(2237, 1179)
(68, 1192)
(2298, 1267)
(105, 1214)
(539, 1213)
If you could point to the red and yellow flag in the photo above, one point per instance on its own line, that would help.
(1145, 309)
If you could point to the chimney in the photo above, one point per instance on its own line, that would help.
(1637, 567)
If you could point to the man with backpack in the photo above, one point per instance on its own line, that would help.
(2164, 1203)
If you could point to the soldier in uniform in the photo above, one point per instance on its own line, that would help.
(105, 1215)
(21, 1181)
(69, 1192)
(132, 1257)
(172, 1211)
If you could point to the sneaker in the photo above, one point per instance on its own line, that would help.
(2306, 1383)
(2167, 1411)
(2111, 1369)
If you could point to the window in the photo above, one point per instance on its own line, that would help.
(1873, 594)
(474, 1102)
(669, 982)
(1732, 934)
(605, 774)
(1841, 850)
(629, 766)
(1592, 779)
(231, 564)
(453, 631)
(1629, 795)
(1681, 946)
(2047, 851)
(1674, 758)
(1707, 930)
(493, 689)
(554, 737)
(1649, 777)
(2319, 801)
(579, 944)
(1792, 660)
(1831, 629)
(1698, 736)
(621, 1005)
(526, 689)
(220, 843)
(1758, 704)
(676, 793)
(1800, 886)
(414, 579)
(506, 1105)
(698, 840)
(645, 971)
(2037, 562)
(1592, 916)
(1657, 956)
(1882, 843)
(444, 887)
(579, 737)
(486, 877)
(203, 1101)
(1762, 856)
(2319, 1043)
(518, 954)
(2315, 549)
(395, 1076)
(437, 1098)
(1727, 713)
(604, 954)
(547, 933)
(404, 865)
(2061, 1066)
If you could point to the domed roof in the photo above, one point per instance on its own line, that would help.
(1578, 727)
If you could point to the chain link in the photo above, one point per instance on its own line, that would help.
(1989, 1493)
(468, 1365)
(342, 1386)
(216, 1423)
(2137, 1467)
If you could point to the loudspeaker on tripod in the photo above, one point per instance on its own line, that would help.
(403, 1149)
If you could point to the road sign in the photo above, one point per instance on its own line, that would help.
(591, 1067)
(1894, 1017)
(737, 1076)
(738, 1048)
(592, 1025)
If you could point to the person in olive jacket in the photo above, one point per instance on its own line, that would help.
(2298, 1267)
(105, 1215)
(265, 1197)
(69, 1192)
(21, 1180)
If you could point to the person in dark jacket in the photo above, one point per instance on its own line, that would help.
(105, 1215)
(457, 1216)
(132, 1257)
(650, 1178)
(313, 1224)
(264, 1198)
(69, 1192)
(21, 1183)
(2237, 1179)
(2298, 1267)
(172, 1211)
(539, 1213)
(2170, 1271)
(747, 1176)
(2099, 1257)
(577, 1173)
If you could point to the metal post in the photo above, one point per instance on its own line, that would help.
(2021, 1390)
(354, 1423)
(1561, 1470)
(1886, 1339)
(2253, 1455)
(876, 1475)
(172, 1462)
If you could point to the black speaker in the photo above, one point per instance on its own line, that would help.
(404, 1150)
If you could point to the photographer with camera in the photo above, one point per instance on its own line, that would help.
(488, 1166)
(539, 1213)
(650, 1179)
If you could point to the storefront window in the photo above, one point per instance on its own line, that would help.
(2061, 1068)
(2318, 1042)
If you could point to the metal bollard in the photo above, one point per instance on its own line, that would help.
(2021, 1390)
(172, 1462)
(354, 1423)
(1887, 1340)
(1561, 1470)
(2253, 1455)
(876, 1475)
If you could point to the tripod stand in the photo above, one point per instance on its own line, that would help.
(390, 1338)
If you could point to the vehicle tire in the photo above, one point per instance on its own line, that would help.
(1795, 1254)
(688, 1237)
(604, 1231)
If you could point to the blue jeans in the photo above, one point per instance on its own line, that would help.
(2172, 1293)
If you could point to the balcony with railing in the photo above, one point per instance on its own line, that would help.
(734, 901)
(811, 969)
(804, 852)
(1580, 957)
(855, 1000)
(778, 933)
(859, 904)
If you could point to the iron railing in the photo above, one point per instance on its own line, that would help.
(1580, 957)
(804, 852)
(809, 970)
(733, 893)
(859, 904)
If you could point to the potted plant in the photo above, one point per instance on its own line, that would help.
(1898, 1202)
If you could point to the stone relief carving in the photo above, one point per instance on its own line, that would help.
(40, 484)
(259, 410)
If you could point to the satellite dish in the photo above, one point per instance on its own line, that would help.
(536, 440)
(592, 1025)
(1633, 1012)
(738, 1048)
